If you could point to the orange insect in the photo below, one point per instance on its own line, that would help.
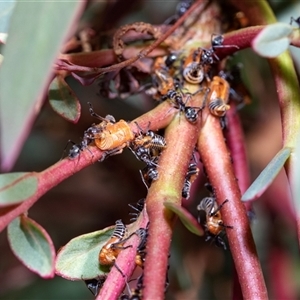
(194, 71)
(149, 140)
(110, 251)
(212, 220)
(198, 63)
(109, 135)
(165, 82)
(218, 96)
(115, 135)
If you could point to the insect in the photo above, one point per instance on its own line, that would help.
(136, 293)
(88, 137)
(164, 81)
(190, 177)
(218, 96)
(190, 112)
(297, 21)
(141, 249)
(95, 284)
(211, 220)
(138, 207)
(110, 251)
(76, 149)
(198, 63)
(147, 146)
(150, 140)
(109, 134)
(181, 9)
(170, 59)
(148, 174)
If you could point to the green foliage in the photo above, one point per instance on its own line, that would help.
(267, 176)
(185, 217)
(32, 245)
(37, 31)
(272, 40)
(17, 187)
(78, 259)
(63, 100)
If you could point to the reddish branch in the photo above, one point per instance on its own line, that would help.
(217, 162)
(158, 118)
(235, 140)
(115, 282)
(181, 137)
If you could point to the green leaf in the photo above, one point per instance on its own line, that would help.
(6, 10)
(36, 33)
(17, 187)
(272, 40)
(32, 245)
(186, 218)
(63, 100)
(78, 259)
(266, 177)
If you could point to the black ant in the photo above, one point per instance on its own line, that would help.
(95, 284)
(138, 207)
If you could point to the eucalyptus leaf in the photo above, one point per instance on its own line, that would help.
(78, 259)
(272, 40)
(32, 245)
(63, 100)
(266, 177)
(36, 33)
(17, 187)
(186, 218)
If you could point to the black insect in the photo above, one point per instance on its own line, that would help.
(137, 207)
(141, 249)
(177, 98)
(95, 284)
(149, 174)
(297, 21)
(181, 8)
(190, 177)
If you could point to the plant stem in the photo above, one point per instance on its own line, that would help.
(217, 162)
(181, 137)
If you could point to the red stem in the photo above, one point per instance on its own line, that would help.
(115, 282)
(158, 118)
(235, 140)
(181, 137)
(217, 161)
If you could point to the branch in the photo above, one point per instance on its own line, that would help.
(181, 137)
(159, 117)
(217, 162)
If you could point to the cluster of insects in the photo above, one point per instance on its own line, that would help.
(171, 79)
(112, 248)
(177, 71)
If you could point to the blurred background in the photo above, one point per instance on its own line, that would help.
(98, 195)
